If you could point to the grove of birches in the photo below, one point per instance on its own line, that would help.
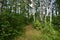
(43, 15)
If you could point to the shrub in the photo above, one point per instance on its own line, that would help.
(11, 25)
(37, 25)
(56, 22)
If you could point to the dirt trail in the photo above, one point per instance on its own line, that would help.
(30, 34)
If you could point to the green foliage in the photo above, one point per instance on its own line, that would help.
(48, 32)
(37, 24)
(11, 25)
(30, 19)
(56, 22)
(58, 3)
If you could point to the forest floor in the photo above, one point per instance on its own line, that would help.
(30, 34)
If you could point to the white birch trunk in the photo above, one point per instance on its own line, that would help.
(51, 14)
(33, 8)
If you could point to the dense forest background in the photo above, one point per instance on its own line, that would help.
(41, 16)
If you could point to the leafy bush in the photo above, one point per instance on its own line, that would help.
(11, 25)
(37, 25)
(48, 32)
(56, 22)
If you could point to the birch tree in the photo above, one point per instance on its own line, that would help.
(1, 4)
(33, 8)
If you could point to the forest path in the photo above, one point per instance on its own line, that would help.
(30, 34)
